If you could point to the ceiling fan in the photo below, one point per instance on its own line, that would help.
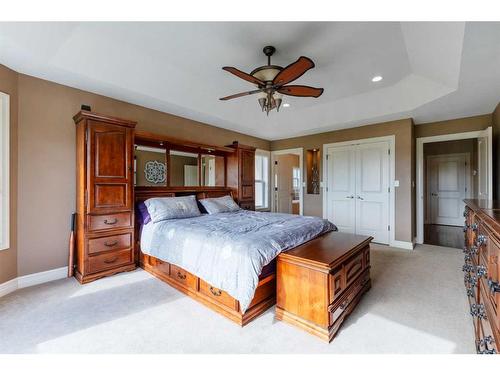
(271, 80)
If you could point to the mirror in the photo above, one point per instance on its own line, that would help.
(212, 170)
(150, 167)
(183, 169)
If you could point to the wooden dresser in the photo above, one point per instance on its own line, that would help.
(241, 175)
(104, 196)
(320, 282)
(481, 271)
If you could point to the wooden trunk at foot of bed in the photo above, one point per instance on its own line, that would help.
(216, 299)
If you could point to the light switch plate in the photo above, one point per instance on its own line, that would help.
(396, 183)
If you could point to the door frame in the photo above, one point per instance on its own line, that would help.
(468, 181)
(294, 151)
(488, 133)
(391, 139)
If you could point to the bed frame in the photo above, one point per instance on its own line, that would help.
(191, 285)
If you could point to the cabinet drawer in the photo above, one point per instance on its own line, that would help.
(337, 309)
(353, 268)
(110, 221)
(110, 260)
(183, 277)
(108, 243)
(486, 342)
(217, 295)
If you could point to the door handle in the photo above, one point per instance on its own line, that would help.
(361, 198)
(350, 197)
(434, 194)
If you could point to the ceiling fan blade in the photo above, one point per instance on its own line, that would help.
(243, 75)
(296, 90)
(293, 71)
(241, 94)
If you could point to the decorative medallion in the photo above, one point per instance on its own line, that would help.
(154, 171)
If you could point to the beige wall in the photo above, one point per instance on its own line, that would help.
(141, 158)
(8, 257)
(461, 125)
(47, 161)
(402, 130)
(496, 152)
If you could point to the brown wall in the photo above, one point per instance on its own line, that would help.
(141, 158)
(466, 124)
(402, 130)
(8, 257)
(496, 152)
(47, 161)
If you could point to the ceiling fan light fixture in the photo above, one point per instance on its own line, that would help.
(377, 79)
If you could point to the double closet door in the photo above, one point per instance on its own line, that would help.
(358, 189)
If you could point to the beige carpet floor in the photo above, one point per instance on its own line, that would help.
(417, 304)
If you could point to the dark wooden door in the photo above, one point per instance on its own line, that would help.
(110, 168)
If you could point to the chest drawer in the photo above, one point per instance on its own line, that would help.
(110, 260)
(217, 295)
(109, 221)
(353, 268)
(183, 277)
(109, 243)
(336, 283)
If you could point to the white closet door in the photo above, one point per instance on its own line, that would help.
(482, 168)
(341, 208)
(372, 191)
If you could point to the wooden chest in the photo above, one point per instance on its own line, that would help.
(320, 282)
(481, 271)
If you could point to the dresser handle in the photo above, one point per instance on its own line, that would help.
(467, 267)
(474, 227)
(181, 276)
(466, 226)
(480, 271)
(215, 292)
(112, 260)
(481, 240)
(484, 341)
(494, 286)
(470, 292)
(115, 220)
(111, 244)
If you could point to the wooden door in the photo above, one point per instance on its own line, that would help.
(247, 174)
(283, 182)
(341, 188)
(372, 191)
(110, 168)
(447, 188)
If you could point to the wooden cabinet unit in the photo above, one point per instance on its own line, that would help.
(481, 271)
(104, 193)
(241, 175)
(320, 282)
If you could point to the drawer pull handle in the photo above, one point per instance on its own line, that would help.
(112, 260)
(494, 286)
(470, 292)
(478, 310)
(112, 222)
(216, 292)
(481, 240)
(480, 271)
(111, 244)
(181, 275)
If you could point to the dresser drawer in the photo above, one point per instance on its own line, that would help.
(337, 309)
(109, 221)
(353, 268)
(336, 282)
(183, 277)
(109, 243)
(110, 260)
(217, 295)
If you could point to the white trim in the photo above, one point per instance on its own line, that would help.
(33, 279)
(420, 169)
(403, 245)
(391, 139)
(295, 151)
(5, 169)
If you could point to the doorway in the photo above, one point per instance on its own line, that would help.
(287, 184)
(359, 195)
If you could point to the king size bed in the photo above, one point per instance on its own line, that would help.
(226, 260)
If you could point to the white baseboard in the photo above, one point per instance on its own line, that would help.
(402, 245)
(33, 279)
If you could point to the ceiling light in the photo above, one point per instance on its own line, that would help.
(286, 105)
(377, 79)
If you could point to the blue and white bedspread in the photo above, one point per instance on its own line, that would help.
(229, 250)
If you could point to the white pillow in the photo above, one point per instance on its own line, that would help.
(172, 208)
(222, 204)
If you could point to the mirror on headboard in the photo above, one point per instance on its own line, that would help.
(183, 168)
(212, 170)
(150, 166)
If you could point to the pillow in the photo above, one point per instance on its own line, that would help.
(143, 213)
(217, 205)
(172, 208)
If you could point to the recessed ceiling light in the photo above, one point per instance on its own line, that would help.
(377, 79)
(286, 105)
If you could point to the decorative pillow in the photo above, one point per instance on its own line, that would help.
(172, 208)
(143, 213)
(217, 205)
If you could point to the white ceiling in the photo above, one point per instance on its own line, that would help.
(432, 71)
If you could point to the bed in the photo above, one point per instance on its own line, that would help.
(227, 260)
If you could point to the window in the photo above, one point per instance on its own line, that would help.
(296, 183)
(261, 179)
(4, 171)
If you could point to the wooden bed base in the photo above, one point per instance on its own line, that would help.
(215, 299)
